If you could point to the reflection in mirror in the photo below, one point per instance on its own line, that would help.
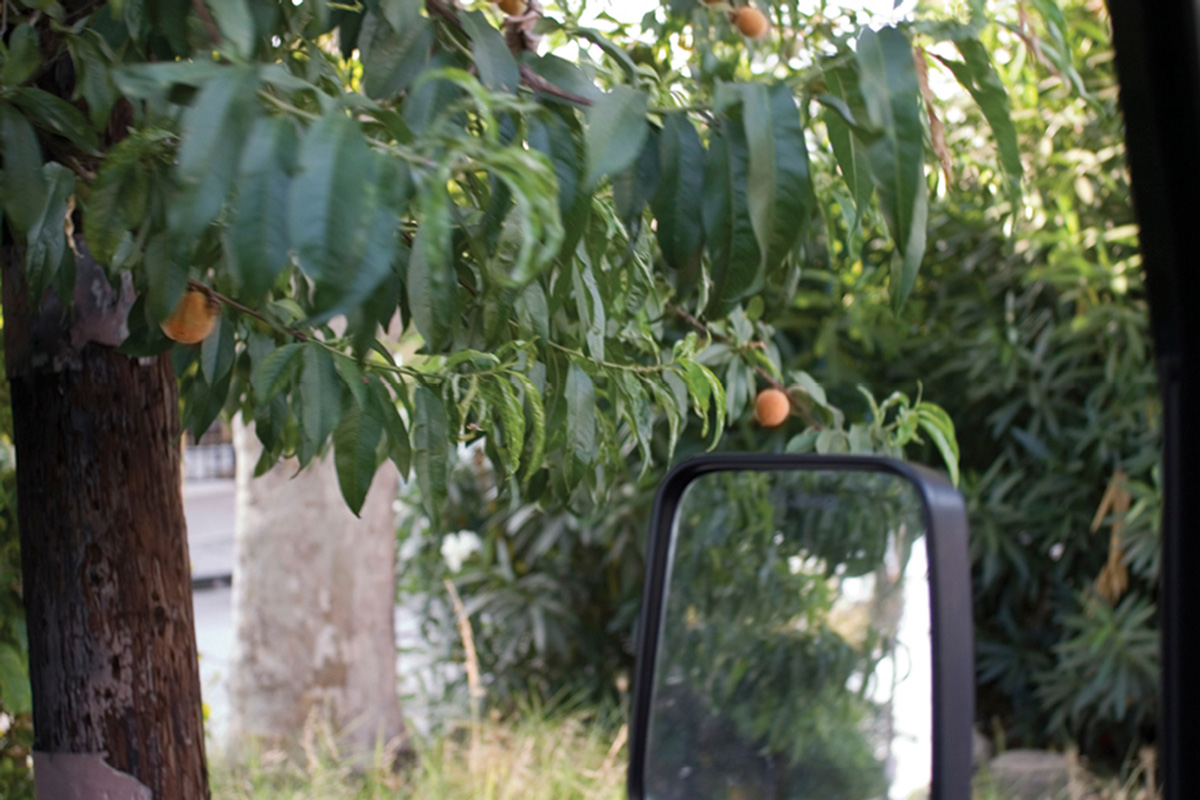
(794, 656)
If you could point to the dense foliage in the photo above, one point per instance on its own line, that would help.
(1031, 330)
(552, 230)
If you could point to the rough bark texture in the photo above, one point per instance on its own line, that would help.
(313, 607)
(108, 596)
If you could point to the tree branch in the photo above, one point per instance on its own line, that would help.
(214, 294)
(531, 79)
(210, 24)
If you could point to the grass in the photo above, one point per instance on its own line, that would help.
(577, 755)
(1138, 783)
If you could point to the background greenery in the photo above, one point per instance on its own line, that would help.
(1027, 323)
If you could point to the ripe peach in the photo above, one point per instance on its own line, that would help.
(193, 319)
(514, 8)
(750, 21)
(772, 407)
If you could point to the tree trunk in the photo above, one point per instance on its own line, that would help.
(108, 598)
(313, 608)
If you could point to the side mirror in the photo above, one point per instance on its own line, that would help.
(805, 633)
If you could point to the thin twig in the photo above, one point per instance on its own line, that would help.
(540, 84)
(214, 294)
(210, 24)
(474, 684)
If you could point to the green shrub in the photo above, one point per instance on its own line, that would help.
(16, 725)
(1032, 331)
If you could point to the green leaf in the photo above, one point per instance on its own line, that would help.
(272, 375)
(537, 418)
(432, 283)
(675, 411)
(14, 680)
(327, 207)
(616, 129)
(216, 353)
(778, 185)
(394, 57)
(550, 135)
(590, 305)
(533, 314)
(355, 444)
(386, 190)
(719, 403)
(120, 195)
(849, 150)
(979, 77)
(214, 129)
(633, 186)
(497, 68)
(581, 415)
(93, 79)
(320, 395)
(502, 398)
(611, 50)
(166, 276)
(46, 242)
(24, 56)
(734, 256)
(892, 94)
(399, 447)
(639, 415)
(56, 115)
(677, 202)
(831, 440)
(24, 187)
(236, 23)
(700, 392)
(431, 451)
(259, 229)
(940, 428)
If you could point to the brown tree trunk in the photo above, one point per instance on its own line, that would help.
(112, 647)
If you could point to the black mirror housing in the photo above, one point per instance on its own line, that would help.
(945, 520)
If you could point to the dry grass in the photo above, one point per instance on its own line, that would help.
(564, 756)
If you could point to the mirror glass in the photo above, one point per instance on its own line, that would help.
(794, 656)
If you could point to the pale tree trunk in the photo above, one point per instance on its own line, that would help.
(313, 608)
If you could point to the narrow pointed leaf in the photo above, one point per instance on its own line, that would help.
(272, 375)
(581, 415)
(320, 394)
(497, 68)
(431, 450)
(213, 131)
(259, 229)
(355, 443)
(897, 157)
(327, 207)
(778, 180)
(677, 201)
